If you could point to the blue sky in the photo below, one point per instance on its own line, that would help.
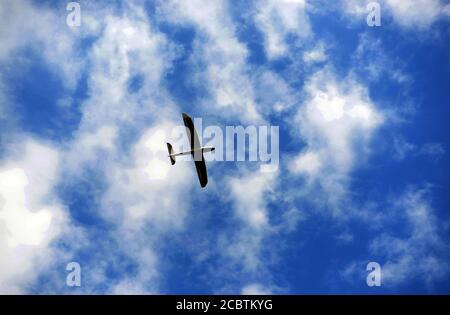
(85, 112)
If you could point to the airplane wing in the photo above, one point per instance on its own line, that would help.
(191, 132)
(197, 155)
(201, 172)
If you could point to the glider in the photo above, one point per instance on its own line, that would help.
(196, 151)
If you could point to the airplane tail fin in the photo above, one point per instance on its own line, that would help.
(172, 158)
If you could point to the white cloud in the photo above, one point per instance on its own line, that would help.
(373, 61)
(355, 7)
(3, 102)
(446, 10)
(28, 30)
(255, 289)
(277, 20)
(121, 137)
(146, 188)
(414, 250)
(307, 162)
(249, 246)
(317, 54)
(273, 94)
(421, 252)
(336, 122)
(25, 25)
(219, 61)
(244, 248)
(249, 193)
(92, 145)
(32, 219)
(31, 216)
(432, 149)
(420, 13)
(403, 149)
(218, 51)
(112, 118)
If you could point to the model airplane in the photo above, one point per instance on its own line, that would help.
(196, 151)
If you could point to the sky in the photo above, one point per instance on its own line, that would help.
(86, 111)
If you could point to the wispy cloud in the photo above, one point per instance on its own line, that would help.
(31, 213)
(336, 122)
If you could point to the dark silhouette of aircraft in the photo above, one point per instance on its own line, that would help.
(196, 151)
